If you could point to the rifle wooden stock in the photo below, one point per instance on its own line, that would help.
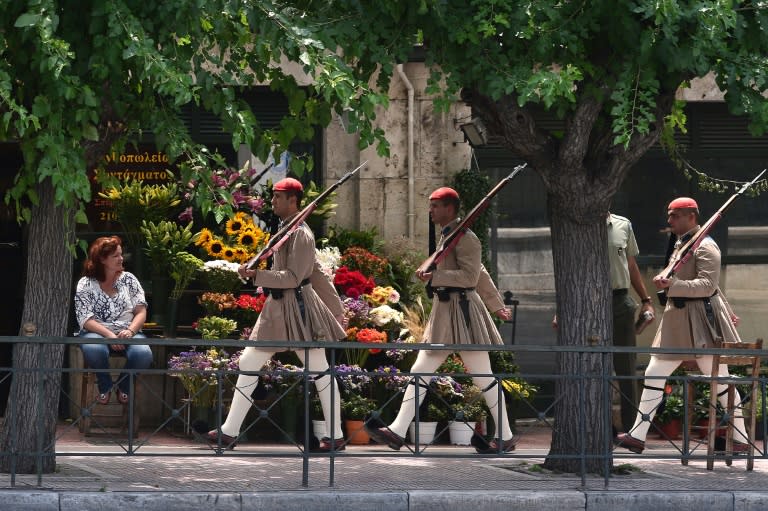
(453, 237)
(282, 235)
(686, 251)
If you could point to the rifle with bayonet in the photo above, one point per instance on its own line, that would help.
(686, 251)
(281, 236)
(261, 174)
(453, 237)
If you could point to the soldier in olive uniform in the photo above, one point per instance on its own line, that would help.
(697, 315)
(463, 290)
(296, 310)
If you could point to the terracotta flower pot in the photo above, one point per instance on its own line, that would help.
(356, 433)
(672, 429)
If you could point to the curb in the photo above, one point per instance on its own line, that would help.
(416, 500)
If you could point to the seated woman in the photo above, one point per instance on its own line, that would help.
(110, 303)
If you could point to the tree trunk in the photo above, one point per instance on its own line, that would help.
(583, 288)
(582, 170)
(30, 420)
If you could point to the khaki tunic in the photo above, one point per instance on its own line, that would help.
(462, 268)
(689, 327)
(281, 319)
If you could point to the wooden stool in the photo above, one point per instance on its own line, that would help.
(111, 414)
(747, 407)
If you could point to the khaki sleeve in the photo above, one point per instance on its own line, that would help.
(488, 291)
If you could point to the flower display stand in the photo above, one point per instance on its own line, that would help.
(461, 432)
(426, 432)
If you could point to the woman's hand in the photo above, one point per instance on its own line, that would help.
(125, 333)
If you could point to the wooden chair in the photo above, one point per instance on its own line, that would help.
(113, 414)
(747, 407)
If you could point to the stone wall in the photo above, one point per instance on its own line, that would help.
(379, 197)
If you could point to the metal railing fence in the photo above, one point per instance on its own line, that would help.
(130, 444)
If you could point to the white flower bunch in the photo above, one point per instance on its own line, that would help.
(222, 265)
(384, 314)
(328, 258)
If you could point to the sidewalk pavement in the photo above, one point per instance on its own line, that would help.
(265, 477)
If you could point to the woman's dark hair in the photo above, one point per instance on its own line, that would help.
(100, 248)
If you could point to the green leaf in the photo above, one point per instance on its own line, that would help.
(80, 217)
(90, 132)
(27, 20)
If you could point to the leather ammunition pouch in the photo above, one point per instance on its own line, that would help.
(277, 293)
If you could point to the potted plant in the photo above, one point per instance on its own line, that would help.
(433, 413)
(164, 242)
(466, 414)
(669, 421)
(215, 327)
(355, 408)
(248, 309)
(285, 382)
(136, 202)
(217, 304)
(221, 276)
(318, 419)
(197, 371)
(183, 269)
(519, 393)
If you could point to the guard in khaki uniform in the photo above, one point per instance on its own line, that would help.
(296, 310)
(697, 315)
(464, 293)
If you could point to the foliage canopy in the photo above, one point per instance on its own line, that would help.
(78, 77)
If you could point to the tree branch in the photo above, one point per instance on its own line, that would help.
(573, 148)
(517, 129)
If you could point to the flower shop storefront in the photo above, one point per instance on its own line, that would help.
(371, 378)
(188, 263)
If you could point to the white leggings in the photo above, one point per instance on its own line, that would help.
(253, 359)
(478, 362)
(655, 377)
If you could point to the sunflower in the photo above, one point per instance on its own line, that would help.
(234, 225)
(203, 237)
(214, 247)
(242, 255)
(228, 253)
(247, 238)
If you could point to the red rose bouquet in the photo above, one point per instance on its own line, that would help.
(352, 283)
